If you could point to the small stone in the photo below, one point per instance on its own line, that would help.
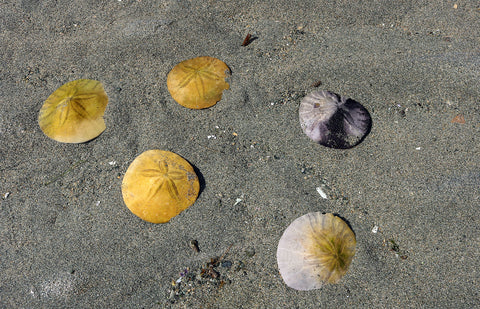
(226, 264)
(249, 252)
(194, 245)
(239, 265)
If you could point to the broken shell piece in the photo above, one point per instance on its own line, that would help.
(332, 120)
(459, 119)
(74, 112)
(158, 185)
(199, 82)
(322, 193)
(315, 249)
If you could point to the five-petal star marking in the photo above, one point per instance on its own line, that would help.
(166, 178)
(75, 103)
(198, 75)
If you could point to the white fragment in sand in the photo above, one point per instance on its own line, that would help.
(322, 193)
(97, 203)
(112, 163)
(178, 280)
(6, 195)
(418, 148)
(375, 229)
(211, 137)
(32, 292)
(217, 127)
(238, 200)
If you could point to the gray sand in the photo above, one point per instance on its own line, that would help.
(67, 239)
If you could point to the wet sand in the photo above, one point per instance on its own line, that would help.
(68, 240)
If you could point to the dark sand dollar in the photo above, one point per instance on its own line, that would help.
(333, 121)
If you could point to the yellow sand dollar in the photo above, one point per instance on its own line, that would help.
(199, 82)
(74, 112)
(158, 185)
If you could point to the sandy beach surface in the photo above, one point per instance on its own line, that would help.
(410, 190)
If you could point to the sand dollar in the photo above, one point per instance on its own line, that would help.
(315, 249)
(158, 185)
(74, 112)
(334, 121)
(199, 82)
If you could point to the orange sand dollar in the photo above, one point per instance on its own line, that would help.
(158, 185)
(74, 112)
(199, 82)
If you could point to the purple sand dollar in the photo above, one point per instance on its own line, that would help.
(333, 121)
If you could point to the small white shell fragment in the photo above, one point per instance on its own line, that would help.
(112, 163)
(6, 195)
(418, 148)
(238, 200)
(211, 137)
(322, 193)
(97, 203)
(375, 229)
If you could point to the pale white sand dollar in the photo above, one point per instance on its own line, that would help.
(315, 249)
